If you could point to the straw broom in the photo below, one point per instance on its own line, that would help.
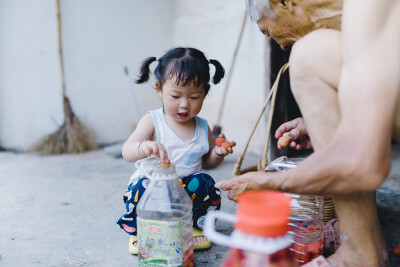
(72, 136)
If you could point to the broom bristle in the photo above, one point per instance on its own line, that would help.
(69, 138)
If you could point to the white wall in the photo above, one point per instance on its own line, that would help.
(30, 88)
(213, 26)
(100, 37)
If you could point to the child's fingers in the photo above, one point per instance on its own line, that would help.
(224, 147)
(163, 153)
(228, 151)
(158, 150)
(153, 150)
(221, 151)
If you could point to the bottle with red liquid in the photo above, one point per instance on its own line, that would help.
(306, 219)
(260, 237)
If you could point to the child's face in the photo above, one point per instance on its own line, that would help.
(181, 103)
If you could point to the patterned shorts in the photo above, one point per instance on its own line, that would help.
(199, 186)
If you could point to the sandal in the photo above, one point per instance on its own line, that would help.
(196, 233)
(133, 249)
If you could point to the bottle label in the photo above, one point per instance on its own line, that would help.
(160, 242)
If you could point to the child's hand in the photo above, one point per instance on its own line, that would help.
(223, 146)
(155, 148)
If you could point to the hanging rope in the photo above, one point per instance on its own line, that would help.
(264, 161)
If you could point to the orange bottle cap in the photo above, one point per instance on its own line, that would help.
(263, 213)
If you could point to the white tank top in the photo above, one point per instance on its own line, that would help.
(185, 155)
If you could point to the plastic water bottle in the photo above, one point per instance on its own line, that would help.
(261, 234)
(306, 218)
(165, 226)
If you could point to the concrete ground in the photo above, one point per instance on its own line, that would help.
(61, 210)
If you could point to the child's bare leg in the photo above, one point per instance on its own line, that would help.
(315, 68)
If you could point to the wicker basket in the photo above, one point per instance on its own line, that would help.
(329, 207)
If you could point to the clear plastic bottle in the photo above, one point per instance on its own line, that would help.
(260, 238)
(306, 218)
(165, 226)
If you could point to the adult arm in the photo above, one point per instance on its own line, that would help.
(357, 158)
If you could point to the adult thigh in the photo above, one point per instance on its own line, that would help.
(317, 56)
(315, 66)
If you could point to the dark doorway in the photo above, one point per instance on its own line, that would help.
(286, 108)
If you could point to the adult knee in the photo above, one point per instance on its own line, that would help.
(315, 56)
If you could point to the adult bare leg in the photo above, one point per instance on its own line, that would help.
(315, 68)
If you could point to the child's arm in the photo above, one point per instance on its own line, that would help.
(141, 145)
(216, 154)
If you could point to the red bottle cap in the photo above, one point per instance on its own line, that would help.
(263, 213)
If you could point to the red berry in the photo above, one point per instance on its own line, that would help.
(283, 141)
(219, 141)
(226, 145)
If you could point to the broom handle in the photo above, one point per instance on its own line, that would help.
(60, 46)
(221, 107)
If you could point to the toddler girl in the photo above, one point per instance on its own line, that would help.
(174, 133)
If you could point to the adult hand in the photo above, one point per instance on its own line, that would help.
(298, 135)
(237, 185)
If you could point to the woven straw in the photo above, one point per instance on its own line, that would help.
(329, 208)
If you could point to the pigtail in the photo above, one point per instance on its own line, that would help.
(219, 71)
(145, 70)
